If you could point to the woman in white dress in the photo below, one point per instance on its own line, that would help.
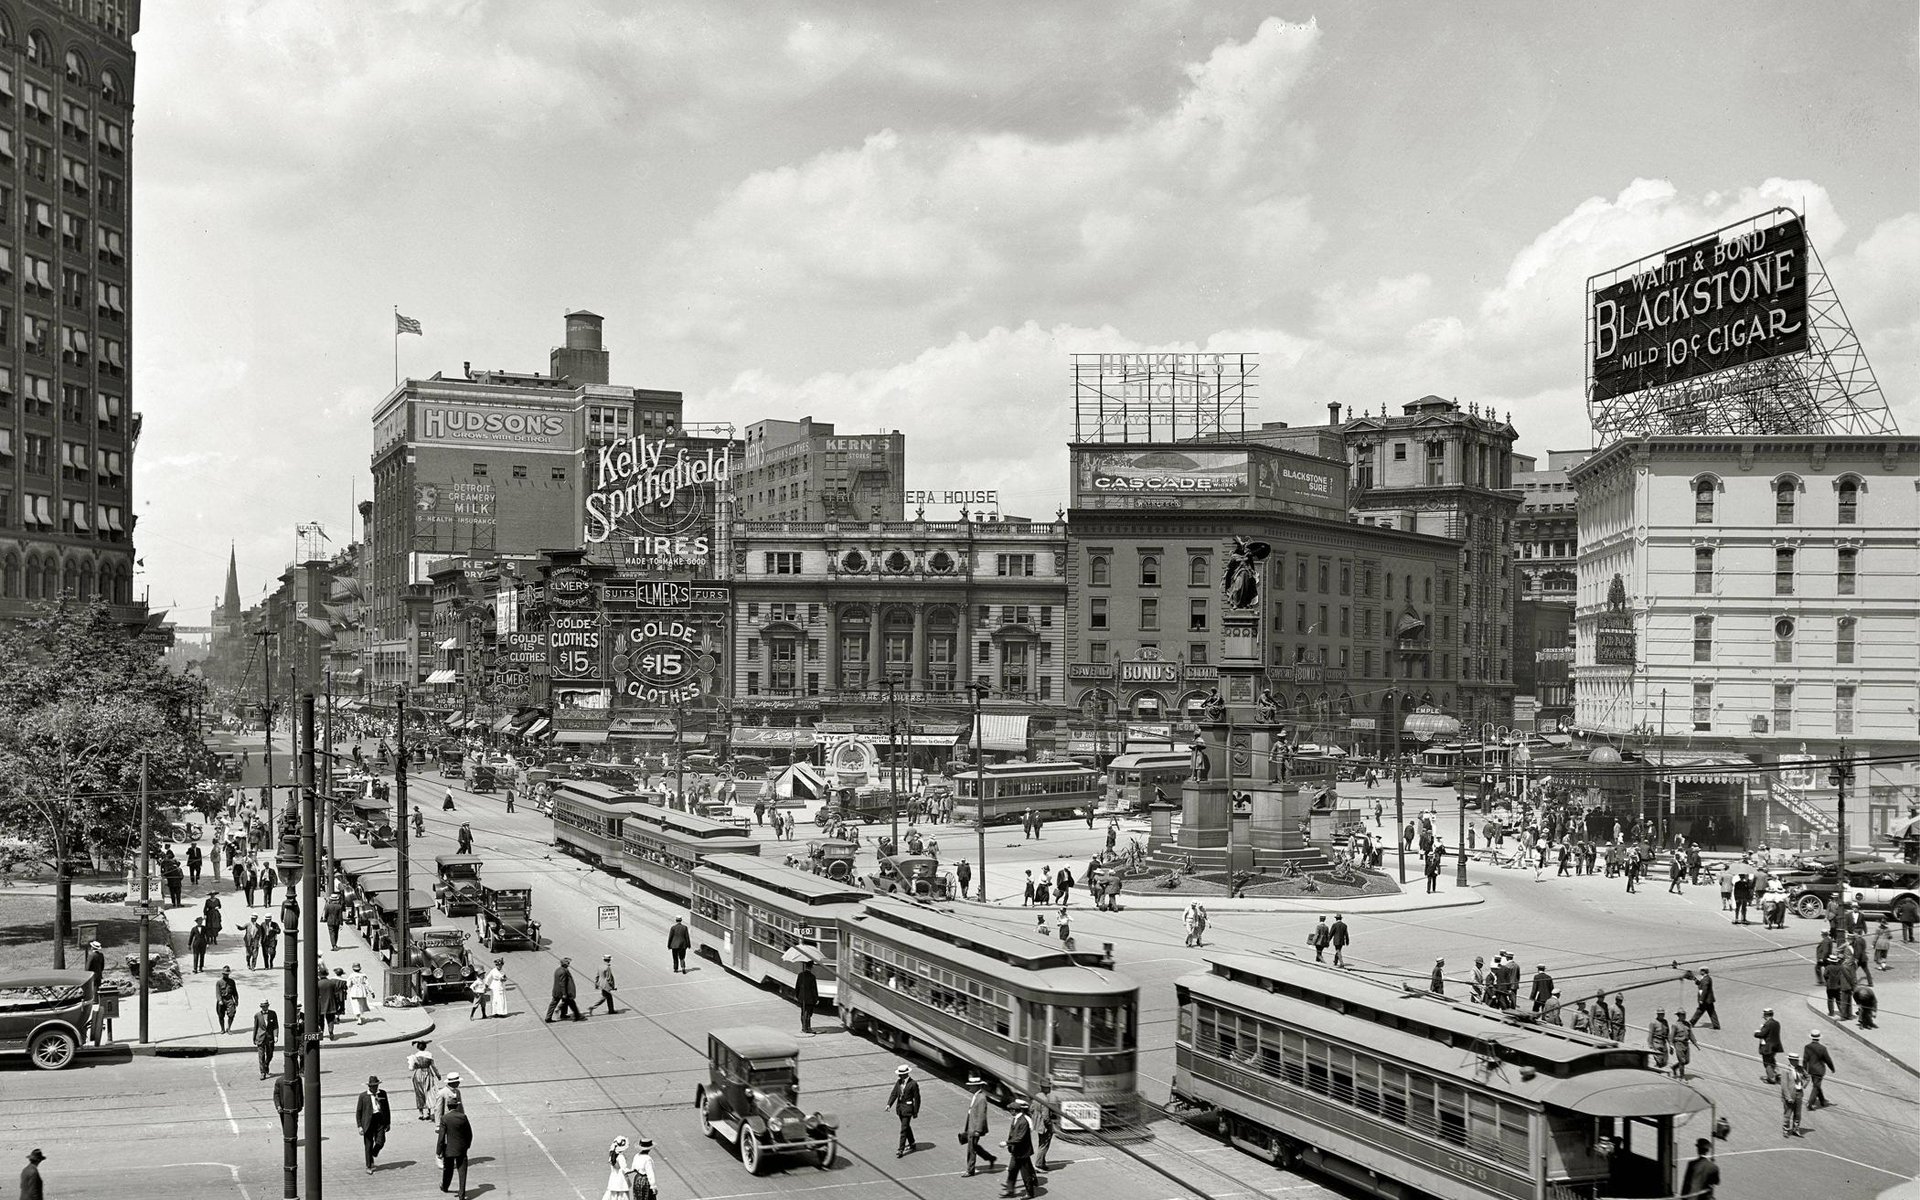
(497, 984)
(617, 1187)
(360, 994)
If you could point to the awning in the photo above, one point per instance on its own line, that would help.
(1407, 626)
(450, 643)
(443, 675)
(501, 725)
(798, 739)
(538, 727)
(1003, 733)
(580, 737)
(522, 719)
(1711, 768)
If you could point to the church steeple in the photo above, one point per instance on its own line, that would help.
(230, 609)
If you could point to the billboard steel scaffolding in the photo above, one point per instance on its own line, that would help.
(1161, 397)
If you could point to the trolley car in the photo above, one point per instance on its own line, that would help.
(1400, 1092)
(1133, 777)
(748, 913)
(587, 819)
(660, 847)
(1014, 1007)
(1003, 791)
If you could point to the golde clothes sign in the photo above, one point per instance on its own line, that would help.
(653, 500)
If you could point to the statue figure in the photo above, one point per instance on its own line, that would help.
(1200, 768)
(1269, 707)
(1211, 706)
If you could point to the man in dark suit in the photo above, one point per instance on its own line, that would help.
(806, 990)
(374, 1117)
(197, 943)
(455, 1142)
(270, 935)
(973, 1126)
(904, 1100)
(1770, 1045)
(1019, 1146)
(194, 862)
(336, 916)
(678, 941)
(266, 1032)
(563, 992)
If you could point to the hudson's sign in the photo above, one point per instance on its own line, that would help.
(488, 425)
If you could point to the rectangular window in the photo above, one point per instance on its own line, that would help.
(1197, 616)
(782, 562)
(1299, 618)
(1149, 613)
(1013, 565)
(1783, 708)
(1346, 579)
(1097, 613)
(519, 470)
(1843, 709)
(753, 683)
(559, 475)
(1097, 651)
(1783, 571)
(1702, 570)
(1703, 639)
(1197, 653)
(1325, 571)
(1848, 578)
(1843, 641)
(1399, 452)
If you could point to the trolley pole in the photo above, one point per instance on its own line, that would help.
(893, 760)
(978, 688)
(1395, 695)
(325, 807)
(266, 720)
(309, 947)
(400, 845)
(146, 882)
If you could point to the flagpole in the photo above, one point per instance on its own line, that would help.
(396, 345)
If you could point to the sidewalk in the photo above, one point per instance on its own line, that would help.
(1894, 1037)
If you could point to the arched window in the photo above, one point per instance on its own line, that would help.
(1149, 570)
(1097, 571)
(6, 29)
(32, 589)
(70, 579)
(1849, 502)
(1703, 490)
(1784, 490)
(88, 586)
(39, 49)
(76, 67)
(1197, 571)
(10, 577)
(110, 84)
(1783, 640)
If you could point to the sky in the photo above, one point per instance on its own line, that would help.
(909, 217)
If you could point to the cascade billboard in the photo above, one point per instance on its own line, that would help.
(1734, 297)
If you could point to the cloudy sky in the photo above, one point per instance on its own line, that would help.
(909, 216)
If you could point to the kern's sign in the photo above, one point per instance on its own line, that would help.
(1734, 297)
(493, 425)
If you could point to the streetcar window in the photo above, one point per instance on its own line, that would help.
(1105, 1027)
(1069, 1028)
(1453, 1116)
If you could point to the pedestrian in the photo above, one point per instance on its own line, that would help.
(424, 1074)
(195, 860)
(334, 993)
(1582, 1019)
(1676, 869)
(211, 911)
(336, 915)
(465, 839)
(266, 1031)
(1319, 938)
(1703, 990)
(250, 941)
(1478, 994)
(266, 884)
(1041, 891)
(1191, 918)
(453, 1145)
(1818, 1063)
(1339, 939)
(563, 993)
(679, 939)
(1908, 915)
(30, 1183)
(973, 1126)
(904, 1100)
(226, 999)
(1542, 989)
(270, 934)
(482, 996)
(1865, 1003)
(1681, 1040)
(1063, 887)
(604, 984)
(1019, 1144)
(1793, 1089)
(1066, 930)
(1550, 1015)
(1703, 1174)
(1839, 997)
(360, 994)
(640, 1176)
(175, 878)
(497, 987)
(249, 879)
(448, 1094)
(1026, 890)
(373, 1116)
(1046, 1118)
(1768, 1035)
(1726, 891)
(1882, 944)
(197, 943)
(963, 875)
(806, 990)
(1658, 1034)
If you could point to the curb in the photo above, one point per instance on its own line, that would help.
(1819, 1009)
(1141, 902)
(202, 1048)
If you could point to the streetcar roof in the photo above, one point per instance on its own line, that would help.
(1151, 758)
(637, 833)
(770, 878)
(690, 824)
(1624, 1093)
(1010, 956)
(1415, 1024)
(1029, 768)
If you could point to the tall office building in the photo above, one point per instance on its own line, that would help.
(67, 425)
(804, 471)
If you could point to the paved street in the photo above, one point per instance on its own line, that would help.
(547, 1099)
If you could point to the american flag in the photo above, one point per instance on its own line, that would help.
(405, 325)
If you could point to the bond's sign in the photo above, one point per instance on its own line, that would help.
(1729, 299)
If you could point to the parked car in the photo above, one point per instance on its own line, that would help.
(752, 1099)
(831, 857)
(1881, 887)
(457, 893)
(440, 954)
(915, 875)
(506, 918)
(49, 1015)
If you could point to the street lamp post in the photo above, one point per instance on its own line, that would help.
(1394, 697)
(266, 720)
(893, 757)
(400, 841)
(978, 688)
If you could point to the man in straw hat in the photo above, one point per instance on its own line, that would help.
(974, 1126)
(1019, 1146)
(1818, 1063)
(904, 1100)
(1793, 1085)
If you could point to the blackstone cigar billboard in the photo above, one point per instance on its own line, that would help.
(1734, 297)
(653, 503)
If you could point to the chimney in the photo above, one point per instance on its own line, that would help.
(583, 360)
(1333, 414)
(466, 368)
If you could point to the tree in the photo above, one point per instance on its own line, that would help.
(82, 698)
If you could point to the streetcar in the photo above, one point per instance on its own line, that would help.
(1014, 1007)
(1439, 765)
(587, 817)
(749, 912)
(1003, 791)
(1400, 1092)
(1133, 777)
(660, 847)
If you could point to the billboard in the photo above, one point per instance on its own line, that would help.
(1164, 471)
(654, 502)
(1734, 297)
(437, 422)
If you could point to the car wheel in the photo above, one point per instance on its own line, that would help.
(750, 1155)
(829, 1152)
(1810, 906)
(706, 1121)
(53, 1049)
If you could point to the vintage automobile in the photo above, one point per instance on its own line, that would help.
(720, 810)
(831, 857)
(752, 1099)
(457, 892)
(481, 778)
(505, 918)
(452, 763)
(48, 1014)
(446, 969)
(380, 910)
(914, 875)
(1882, 887)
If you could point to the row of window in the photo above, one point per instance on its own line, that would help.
(107, 522)
(1785, 629)
(36, 217)
(1844, 700)
(1786, 491)
(36, 279)
(1006, 566)
(110, 15)
(520, 471)
(962, 997)
(76, 345)
(40, 578)
(1015, 680)
(1846, 577)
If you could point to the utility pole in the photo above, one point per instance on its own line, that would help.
(893, 759)
(146, 880)
(1661, 782)
(326, 774)
(679, 761)
(400, 844)
(978, 688)
(1395, 696)
(1841, 775)
(289, 1092)
(309, 946)
(266, 678)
